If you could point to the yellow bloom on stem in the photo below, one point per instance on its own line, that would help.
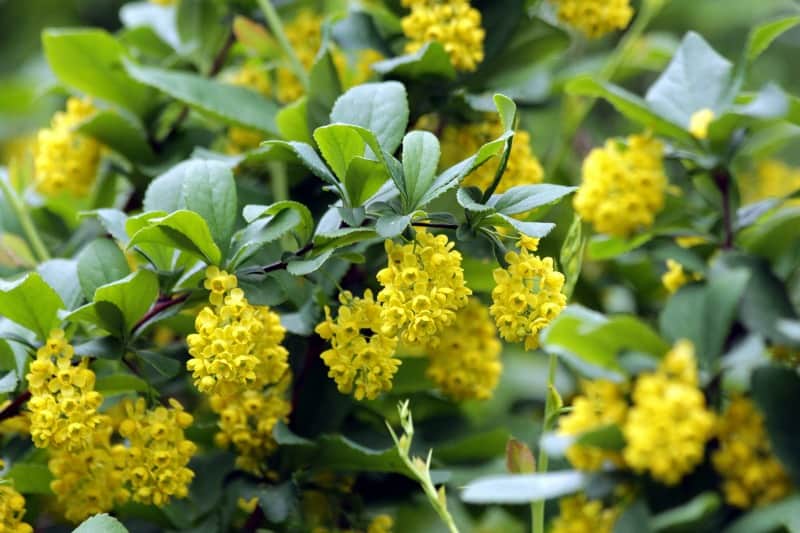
(699, 122)
(246, 420)
(527, 297)
(453, 23)
(383, 523)
(581, 515)
(66, 160)
(623, 186)
(63, 404)
(361, 357)
(771, 179)
(12, 509)
(158, 452)
(668, 425)
(423, 288)
(675, 277)
(602, 403)
(466, 362)
(237, 345)
(595, 18)
(751, 473)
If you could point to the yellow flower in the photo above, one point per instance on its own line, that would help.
(304, 33)
(66, 160)
(623, 186)
(423, 287)
(602, 403)
(12, 510)
(595, 18)
(527, 297)
(237, 345)
(92, 480)
(361, 357)
(668, 425)
(248, 506)
(675, 277)
(751, 473)
(771, 179)
(699, 122)
(158, 452)
(690, 241)
(383, 523)
(466, 362)
(453, 23)
(246, 420)
(63, 404)
(581, 515)
(254, 77)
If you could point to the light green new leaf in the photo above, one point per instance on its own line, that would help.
(30, 302)
(363, 179)
(292, 121)
(99, 263)
(295, 152)
(507, 110)
(228, 103)
(101, 523)
(90, 61)
(763, 35)
(430, 61)
(304, 230)
(420, 159)
(210, 190)
(132, 295)
(571, 256)
(185, 230)
(381, 108)
(338, 144)
(523, 488)
(123, 134)
(31, 478)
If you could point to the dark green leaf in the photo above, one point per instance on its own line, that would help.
(324, 89)
(690, 516)
(122, 133)
(430, 61)
(163, 365)
(776, 391)
(304, 230)
(132, 295)
(99, 263)
(210, 190)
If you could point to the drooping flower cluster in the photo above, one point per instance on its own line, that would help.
(158, 452)
(579, 514)
(752, 474)
(455, 24)
(527, 296)
(623, 185)
(676, 277)
(63, 404)
(66, 161)
(12, 509)
(668, 425)
(246, 420)
(361, 357)
(237, 345)
(601, 403)
(466, 362)
(423, 288)
(595, 18)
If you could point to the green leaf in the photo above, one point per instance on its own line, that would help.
(113, 220)
(324, 89)
(390, 226)
(30, 478)
(341, 237)
(339, 144)
(8, 383)
(228, 103)
(507, 110)
(430, 61)
(185, 230)
(363, 179)
(210, 190)
(261, 232)
(60, 274)
(776, 391)
(90, 61)
(604, 247)
(381, 108)
(697, 78)
(202, 31)
(101, 523)
(122, 133)
(762, 36)
(160, 20)
(420, 159)
(254, 37)
(303, 267)
(304, 230)
(531, 229)
(607, 437)
(277, 501)
(766, 304)
(526, 197)
(120, 384)
(523, 488)
(769, 518)
(571, 256)
(132, 295)
(292, 122)
(99, 263)
(630, 106)
(32, 303)
(519, 458)
(296, 152)
(691, 516)
(161, 364)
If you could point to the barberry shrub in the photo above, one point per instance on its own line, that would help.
(415, 265)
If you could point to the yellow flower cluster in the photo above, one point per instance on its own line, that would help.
(623, 185)
(602, 403)
(158, 452)
(92, 480)
(771, 179)
(423, 287)
(523, 167)
(676, 277)
(453, 23)
(237, 345)
(66, 160)
(668, 425)
(361, 357)
(581, 515)
(752, 474)
(256, 78)
(12, 509)
(63, 404)
(304, 33)
(699, 123)
(595, 18)
(246, 420)
(466, 362)
(527, 295)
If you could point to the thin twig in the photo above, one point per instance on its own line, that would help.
(11, 410)
(254, 520)
(160, 306)
(277, 265)
(440, 225)
(722, 177)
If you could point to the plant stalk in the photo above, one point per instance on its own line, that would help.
(275, 25)
(28, 227)
(537, 507)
